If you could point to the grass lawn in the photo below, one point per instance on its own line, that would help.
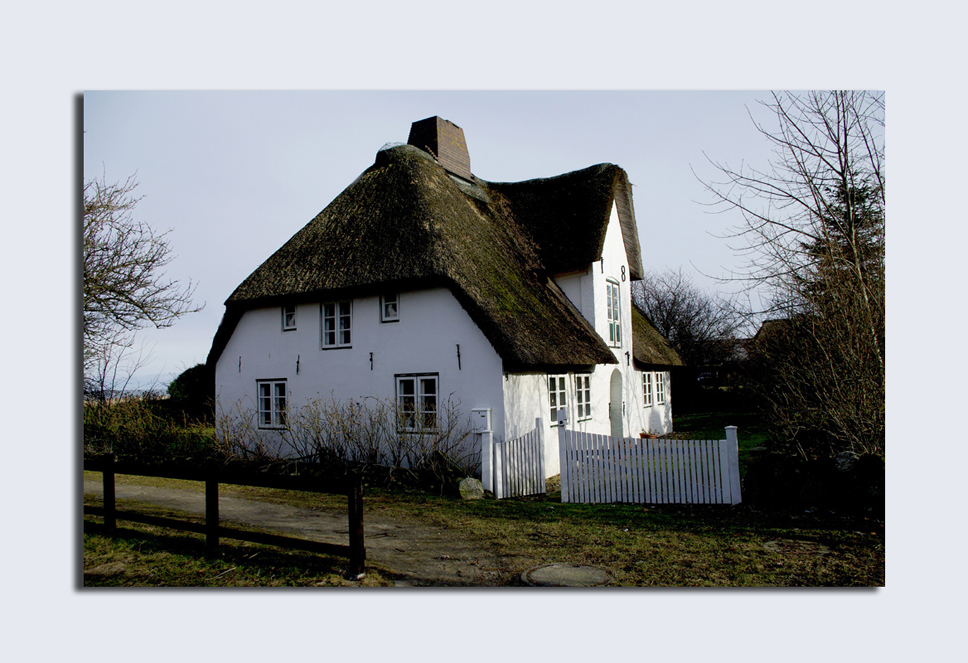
(750, 431)
(145, 556)
(639, 545)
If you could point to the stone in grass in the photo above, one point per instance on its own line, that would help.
(471, 489)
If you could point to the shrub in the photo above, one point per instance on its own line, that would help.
(142, 428)
(361, 436)
(193, 393)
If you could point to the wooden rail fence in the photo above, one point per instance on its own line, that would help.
(355, 551)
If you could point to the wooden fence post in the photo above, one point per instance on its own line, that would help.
(732, 446)
(211, 510)
(107, 476)
(357, 546)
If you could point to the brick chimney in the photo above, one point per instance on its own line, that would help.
(445, 140)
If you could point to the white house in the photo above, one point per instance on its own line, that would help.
(421, 281)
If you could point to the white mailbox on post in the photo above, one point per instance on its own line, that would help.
(482, 419)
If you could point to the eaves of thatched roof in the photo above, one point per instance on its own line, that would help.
(407, 223)
(650, 349)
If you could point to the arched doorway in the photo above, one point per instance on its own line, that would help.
(615, 404)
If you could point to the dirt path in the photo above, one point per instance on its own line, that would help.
(418, 554)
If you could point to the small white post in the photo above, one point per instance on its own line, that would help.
(482, 417)
(498, 469)
(539, 431)
(563, 465)
(487, 460)
(732, 455)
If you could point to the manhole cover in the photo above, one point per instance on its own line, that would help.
(565, 575)
(794, 547)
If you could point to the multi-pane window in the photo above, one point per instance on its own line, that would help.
(614, 314)
(660, 388)
(557, 388)
(417, 402)
(390, 308)
(337, 320)
(583, 396)
(647, 388)
(288, 318)
(272, 403)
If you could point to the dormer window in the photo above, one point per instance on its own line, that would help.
(613, 299)
(390, 308)
(288, 318)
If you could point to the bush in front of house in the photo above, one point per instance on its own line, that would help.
(365, 436)
(142, 428)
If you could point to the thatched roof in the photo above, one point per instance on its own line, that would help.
(405, 223)
(650, 349)
(566, 216)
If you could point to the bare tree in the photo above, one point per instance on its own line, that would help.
(125, 287)
(813, 232)
(701, 327)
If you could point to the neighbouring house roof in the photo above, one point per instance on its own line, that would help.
(650, 349)
(772, 327)
(412, 221)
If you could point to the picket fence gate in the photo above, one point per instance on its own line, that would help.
(518, 465)
(603, 469)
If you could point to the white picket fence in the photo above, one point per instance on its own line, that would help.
(518, 465)
(603, 469)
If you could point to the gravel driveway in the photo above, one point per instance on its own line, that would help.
(417, 554)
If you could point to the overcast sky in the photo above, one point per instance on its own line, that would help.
(233, 175)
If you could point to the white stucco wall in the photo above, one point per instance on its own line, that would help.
(656, 419)
(527, 394)
(526, 400)
(432, 324)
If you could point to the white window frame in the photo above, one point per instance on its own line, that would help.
(340, 318)
(272, 398)
(418, 408)
(557, 395)
(647, 389)
(660, 388)
(390, 300)
(289, 317)
(583, 396)
(613, 307)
